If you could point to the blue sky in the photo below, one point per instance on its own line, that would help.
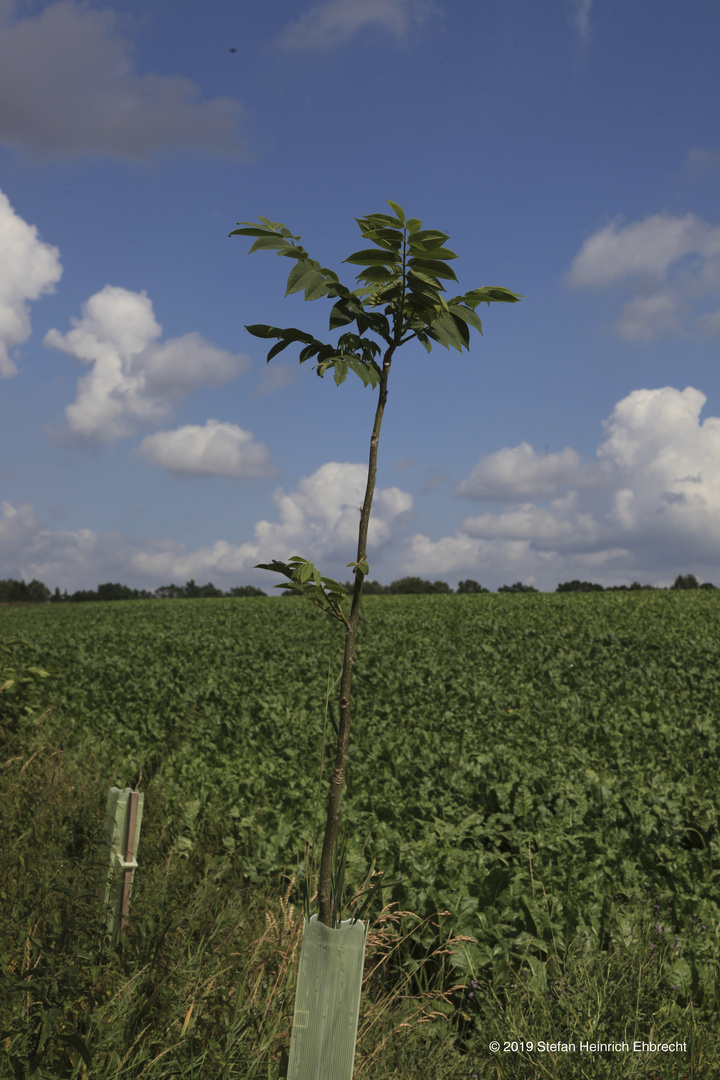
(570, 149)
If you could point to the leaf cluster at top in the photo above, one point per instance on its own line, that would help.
(402, 274)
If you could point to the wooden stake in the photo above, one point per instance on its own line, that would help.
(129, 858)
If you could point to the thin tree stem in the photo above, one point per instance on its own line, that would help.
(332, 825)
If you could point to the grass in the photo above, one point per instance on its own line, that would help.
(202, 983)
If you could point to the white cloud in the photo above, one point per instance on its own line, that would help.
(68, 86)
(463, 556)
(332, 22)
(530, 523)
(582, 16)
(700, 161)
(28, 550)
(673, 263)
(133, 380)
(648, 508)
(323, 513)
(319, 520)
(643, 248)
(28, 268)
(649, 503)
(709, 323)
(217, 449)
(16, 525)
(515, 472)
(646, 317)
(274, 377)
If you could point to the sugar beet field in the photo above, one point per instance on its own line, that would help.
(531, 765)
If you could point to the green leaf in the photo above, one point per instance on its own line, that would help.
(423, 287)
(433, 266)
(445, 330)
(306, 571)
(467, 314)
(253, 231)
(362, 566)
(287, 336)
(490, 294)
(343, 312)
(295, 278)
(377, 273)
(277, 348)
(341, 370)
(78, 1044)
(268, 242)
(293, 253)
(425, 251)
(368, 257)
(276, 566)
(366, 372)
(261, 330)
(416, 278)
(429, 236)
(334, 586)
(269, 227)
(374, 222)
(398, 210)
(316, 286)
(309, 351)
(462, 329)
(376, 322)
(290, 333)
(384, 234)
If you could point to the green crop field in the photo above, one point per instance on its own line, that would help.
(538, 767)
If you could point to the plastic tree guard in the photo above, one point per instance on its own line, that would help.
(327, 1001)
(124, 817)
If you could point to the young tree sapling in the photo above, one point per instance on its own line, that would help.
(398, 300)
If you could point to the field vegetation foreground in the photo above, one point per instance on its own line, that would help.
(535, 775)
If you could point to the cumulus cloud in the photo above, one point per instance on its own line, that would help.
(28, 268)
(16, 525)
(318, 519)
(68, 86)
(643, 248)
(323, 513)
(646, 317)
(517, 472)
(647, 508)
(133, 379)
(217, 449)
(28, 550)
(581, 9)
(332, 22)
(649, 503)
(673, 264)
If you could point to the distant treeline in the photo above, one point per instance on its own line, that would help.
(20, 592)
(36, 592)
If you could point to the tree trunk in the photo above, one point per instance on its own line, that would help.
(332, 824)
